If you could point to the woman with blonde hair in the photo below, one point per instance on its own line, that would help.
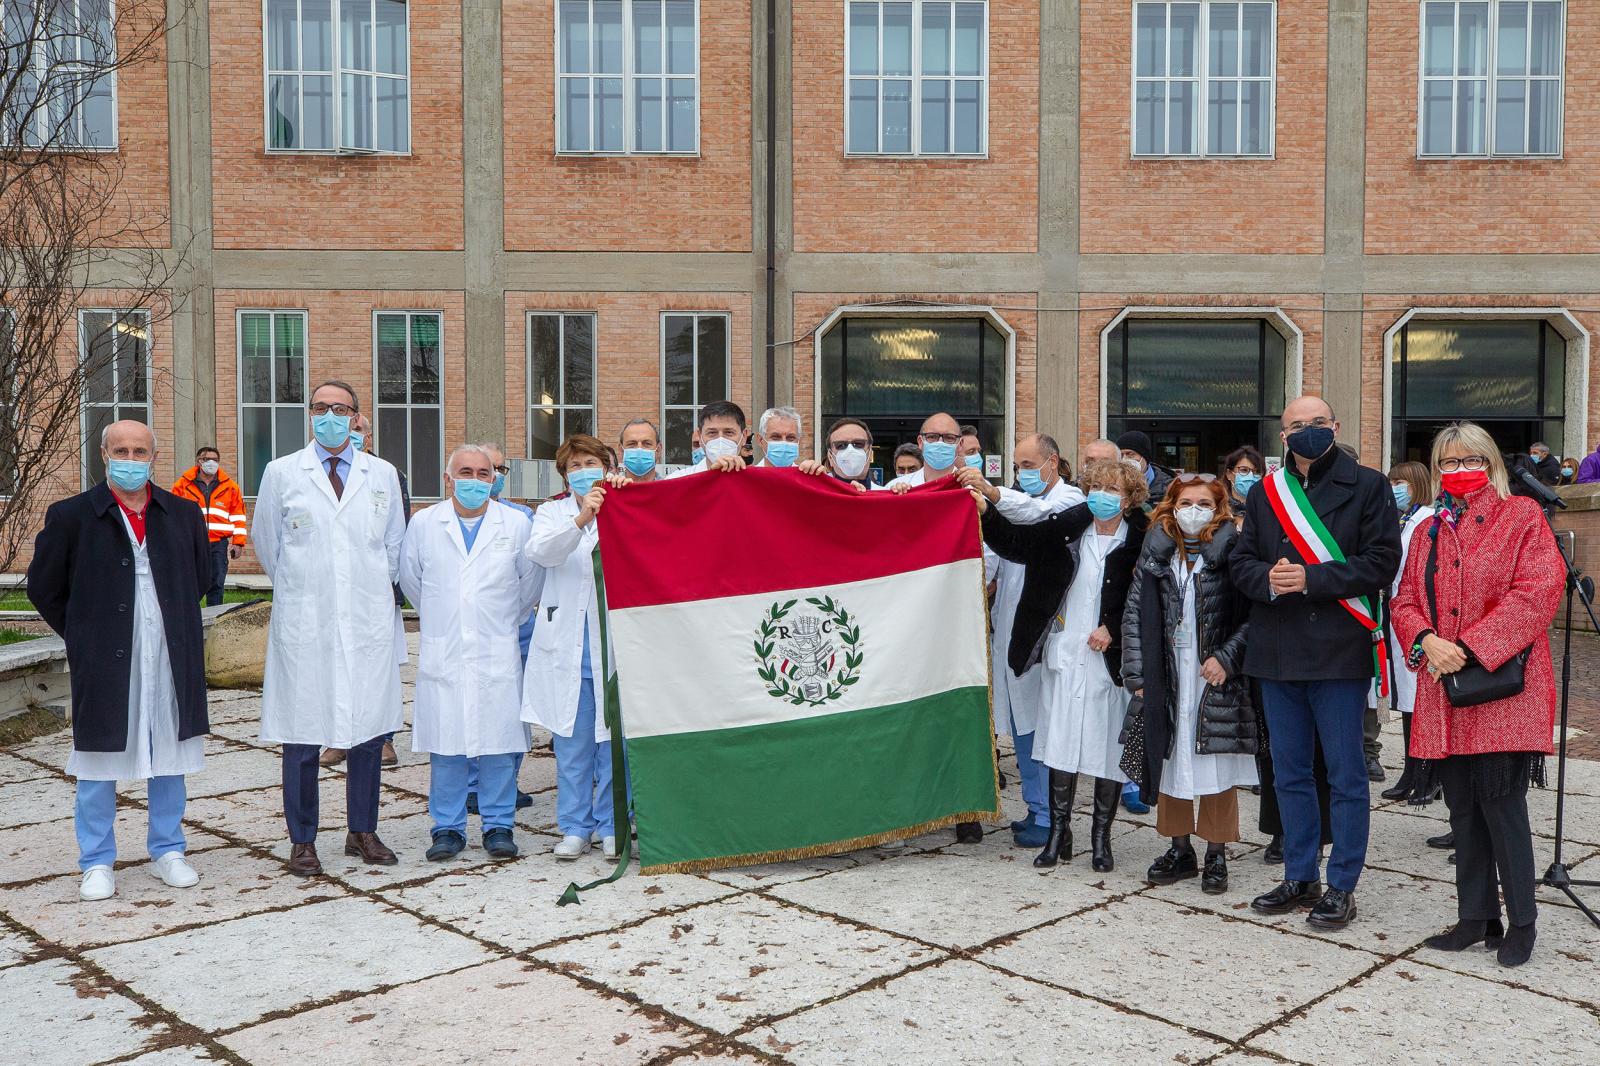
(1476, 600)
(1413, 498)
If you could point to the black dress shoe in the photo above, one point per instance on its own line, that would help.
(969, 833)
(1273, 856)
(1214, 881)
(1444, 841)
(1516, 948)
(1467, 933)
(1178, 864)
(1375, 769)
(499, 845)
(1335, 910)
(472, 803)
(1288, 896)
(1400, 790)
(447, 844)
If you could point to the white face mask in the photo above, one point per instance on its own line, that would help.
(720, 448)
(1193, 519)
(209, 468)
(851, 462)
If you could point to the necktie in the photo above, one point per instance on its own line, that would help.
(333, 477)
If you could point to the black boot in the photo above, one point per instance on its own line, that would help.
(1402, 788)
(1467, 933)
(1517, 945)
(1273, 855)
(1063, 789)
(1106, 794)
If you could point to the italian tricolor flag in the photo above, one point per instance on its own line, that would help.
(800, 669)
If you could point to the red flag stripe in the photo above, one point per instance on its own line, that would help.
(766, 530)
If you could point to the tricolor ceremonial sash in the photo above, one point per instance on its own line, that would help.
(1315, 544)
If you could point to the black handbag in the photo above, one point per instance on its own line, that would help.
(1132, 761)
(1474, 683)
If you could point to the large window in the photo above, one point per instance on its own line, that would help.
(1203, 79)
(560, 379)
(115, 349)
(628, 76)
(58, 77)
(408, 361)
(338, 76)
(272, 390)
(1491, 78)
(694, 372)
(918, 75)
(1508, 376)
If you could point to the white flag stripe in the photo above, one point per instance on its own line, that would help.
(704, 669)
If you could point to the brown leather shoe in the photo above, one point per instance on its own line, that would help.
(303, 861)
(332, 756)
(389, 758)
(369, 849)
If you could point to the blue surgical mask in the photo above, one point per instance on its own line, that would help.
(331, 430)
(1402, 496)
(582, 480)
(472, 493)
(129, 475)
(1031, 482)
(697, 456)
(357, 439)
(974, 461)
(639, 461)
(1103, 504)
(782, 452)
(1243, 483)
(499, 485)
(939, 455)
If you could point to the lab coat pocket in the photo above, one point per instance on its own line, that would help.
(547, 630)
(433, 658)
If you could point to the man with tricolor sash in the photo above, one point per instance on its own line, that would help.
(1320, 539)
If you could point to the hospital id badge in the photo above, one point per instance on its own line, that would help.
(1181, 637)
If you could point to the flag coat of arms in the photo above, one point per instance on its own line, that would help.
(800, 669)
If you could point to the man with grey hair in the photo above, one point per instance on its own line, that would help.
(641, 451)
(1099, 450)
(780, 433)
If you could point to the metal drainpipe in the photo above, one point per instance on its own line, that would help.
(772, 206)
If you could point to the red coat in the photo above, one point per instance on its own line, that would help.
(1499, 581)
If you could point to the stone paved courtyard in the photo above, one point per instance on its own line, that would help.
(940, 953)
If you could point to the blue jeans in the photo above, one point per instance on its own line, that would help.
(1298, 714)
(497, 790)
(1034, 775)
(583, 775)
(95, 819)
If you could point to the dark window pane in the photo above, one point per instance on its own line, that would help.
(677, 358)
(830, 373)
(912, 366)
(544, 359)
(290, 358)
(95, 420)
(712, 372)
(290, 427)
(1193, 368)
(255, 358)
(99, 367)
(1555, 374)
(1472, 369)
(678, 437)
(392, 443)
(426, 359)
(994, 373)
(544, 433)
(133, 359)
(579, 359)
(579, 420)
(427, 456)
(255, 444)
(392, 359)
(1273, 395)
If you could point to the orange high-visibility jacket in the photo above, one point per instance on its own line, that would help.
(224, 511)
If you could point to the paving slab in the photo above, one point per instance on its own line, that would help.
(409, 838)
(914, 1018)
(235, 707)
(1398, 842)
(728, 963)
(62, 1015)
(1582, 822)
(51, 749)
(499, 1012)
(1405, 1016)
(256, 816)
(986, 897)
(235, 770)
(1261, 974)
(31, 802)
(13, 769)
(14, 948)
(765, 875)
(277, 962)
(189, 1055)
(51, 848)
(1565, 963)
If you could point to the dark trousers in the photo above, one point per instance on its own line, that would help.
(1299, 714)
(219, 571)
(1371, 733)
(361, 770)
(1494, 846)
(1270, 820)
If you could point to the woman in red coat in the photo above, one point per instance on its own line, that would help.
(1481, 585)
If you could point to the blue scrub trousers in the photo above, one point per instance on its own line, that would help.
(95, 819)
(496, 788)
(583, 775)
(1035, 776)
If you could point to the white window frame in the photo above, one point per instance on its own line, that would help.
(627, 77)
(42, 114)
(238, 376)
(561, 407)
(694, 367)
(1490, 78)
(122, 313)
(1202, 79)
(336, 76)
(409, 406)
(916, 78)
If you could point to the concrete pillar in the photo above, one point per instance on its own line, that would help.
(1344, 214)
(194, 356)
(1057, 375)
(483, 114)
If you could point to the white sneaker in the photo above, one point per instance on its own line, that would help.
(608, 847)
(175, 870)
(571, 847)
(97, 884)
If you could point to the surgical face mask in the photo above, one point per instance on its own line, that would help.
(721, 448)
(331, 430)
(1569, 471)
(210, 467)
(851, 462)
(638, 461)
(472, 493)
(129, 475)
(939, 455)
(697, 456)
(782, 452)
(580, 481)
(974, 461)
(1103, 504)
(1312, 442)
(1031, 482)
(1193, 519)
(1243, 483)
(499, 485)
(358, 439)
(1402, 495)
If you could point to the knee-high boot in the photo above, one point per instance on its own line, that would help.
(1106, 793)
(1063, 788)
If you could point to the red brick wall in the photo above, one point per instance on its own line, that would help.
(138, 215)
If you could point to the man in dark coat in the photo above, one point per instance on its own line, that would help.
(1136, 447)
(118, 572)
(1314, 660)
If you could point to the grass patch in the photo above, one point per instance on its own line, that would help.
(15, 600)
(14, 636)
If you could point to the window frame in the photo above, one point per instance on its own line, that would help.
(336, 75)
(561, 407)
(409, 406)
(627, 76)
(1490, 79)
(1201, 79)
(916, 78)
(84, 405)
(694, 368)
(40, 65)
(238, 376)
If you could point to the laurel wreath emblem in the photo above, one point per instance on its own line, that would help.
(781, 683)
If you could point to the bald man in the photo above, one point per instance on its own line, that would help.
(939, 438)
(118, 572)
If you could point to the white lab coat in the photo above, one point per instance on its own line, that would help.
(1017, 698)
(1404, 696)
(697, 468)
(469, 667)
(567, 608)
(331, 676)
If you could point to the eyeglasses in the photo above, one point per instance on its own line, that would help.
(1471, 462)
(502, 469)
(1316, 423)
(1184, 479)
(942, 438)
(340, 409)
(841, 445)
